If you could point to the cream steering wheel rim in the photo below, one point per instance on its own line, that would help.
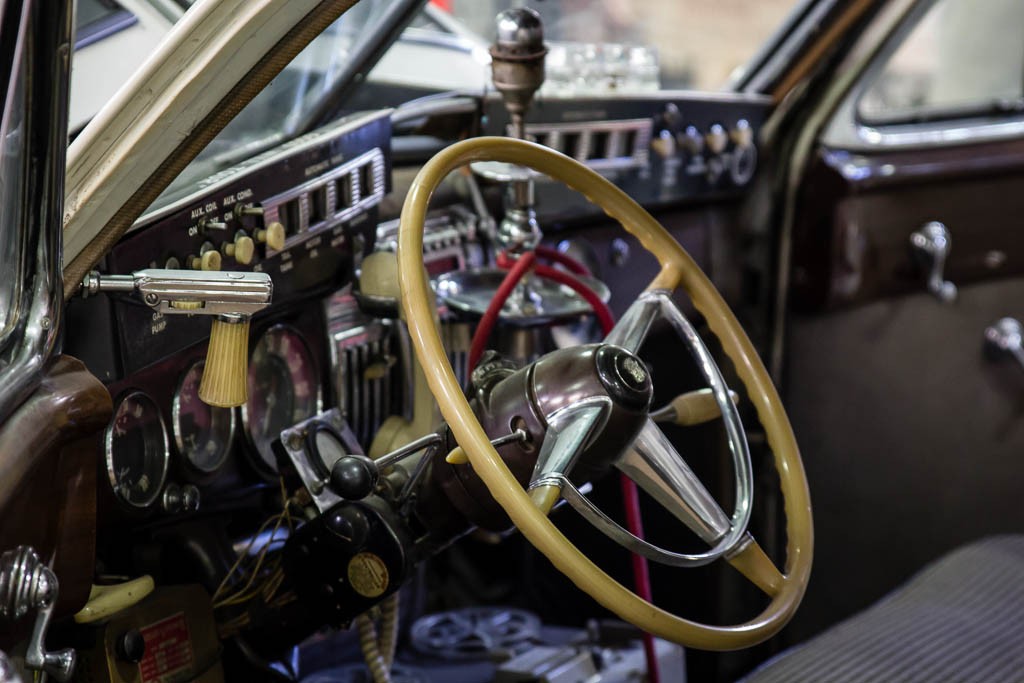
(678, 269)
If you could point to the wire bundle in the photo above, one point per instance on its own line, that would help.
(254, 577)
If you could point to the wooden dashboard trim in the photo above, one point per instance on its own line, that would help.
(49, 450)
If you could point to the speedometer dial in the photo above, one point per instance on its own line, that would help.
(201, 432)
(137, 450)
(283, 389)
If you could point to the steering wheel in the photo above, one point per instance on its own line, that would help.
(566, 432)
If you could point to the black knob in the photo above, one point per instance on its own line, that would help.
(131, 646)
(353, 477)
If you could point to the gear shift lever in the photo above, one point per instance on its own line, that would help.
(517, 62)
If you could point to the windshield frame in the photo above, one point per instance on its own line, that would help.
(41, 49)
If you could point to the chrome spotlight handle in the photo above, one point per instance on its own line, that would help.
(189, 292)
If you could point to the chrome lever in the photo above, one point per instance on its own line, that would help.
(931, 245)
(26, 583)
(1006, 337)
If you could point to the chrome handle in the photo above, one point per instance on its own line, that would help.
(26, 583)
(931, 245)
(1006, 337)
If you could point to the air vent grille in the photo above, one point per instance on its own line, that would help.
(599, 144)
(367, 367)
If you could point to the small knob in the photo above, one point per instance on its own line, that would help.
(519, 31)
(664, 144)
(742, 134)
(931, 245)
(353, 477)
(208, 260)
(171, 499)
(691, 140)
(227, 362)
(273, 236)
(131, 646)
(242, 249)
(717, 139)
(189, 498)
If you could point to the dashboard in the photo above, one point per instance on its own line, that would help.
(189, 484)
(306, 213)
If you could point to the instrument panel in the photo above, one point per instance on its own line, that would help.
(305, 213)
(664, 148)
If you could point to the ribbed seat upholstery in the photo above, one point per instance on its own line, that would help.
(960, 620)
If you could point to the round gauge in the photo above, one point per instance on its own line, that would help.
(283, 389)
(137, 450)
(202, 432)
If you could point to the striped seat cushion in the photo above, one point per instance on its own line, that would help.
(960, 620)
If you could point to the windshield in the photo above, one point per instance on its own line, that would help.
(693, 44)
(276, 113)
(595, 46)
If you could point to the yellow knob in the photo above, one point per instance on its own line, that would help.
(457, 457)
(692, 408)
(227, 363)
(210, 260)
(272, 236)
(242, 249)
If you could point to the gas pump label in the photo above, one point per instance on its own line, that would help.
(169, 654)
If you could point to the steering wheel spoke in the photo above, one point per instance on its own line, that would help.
(570, 431)
(656, 467)
(632, 328)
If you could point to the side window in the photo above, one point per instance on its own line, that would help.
(964, 58)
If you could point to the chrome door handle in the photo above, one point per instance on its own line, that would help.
(1006, 337)
(931, 245)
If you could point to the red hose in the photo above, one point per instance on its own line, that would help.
(574, 266)
(630, 495)
(483, 330)
(641, 571)
(601, 310)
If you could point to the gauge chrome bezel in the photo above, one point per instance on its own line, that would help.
(256, 456)
(109, 451)
(179, 437)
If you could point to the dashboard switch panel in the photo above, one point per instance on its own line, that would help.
(299, 213)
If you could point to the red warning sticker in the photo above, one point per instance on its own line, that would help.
(168, 650)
